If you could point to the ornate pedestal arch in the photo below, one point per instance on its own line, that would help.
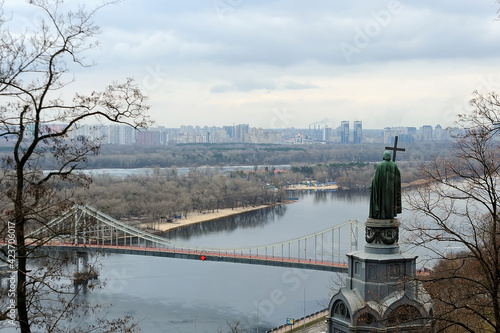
(381, 294)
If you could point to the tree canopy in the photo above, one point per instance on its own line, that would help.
(458, 209)
(37, 114)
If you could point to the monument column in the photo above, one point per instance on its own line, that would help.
(381, 294)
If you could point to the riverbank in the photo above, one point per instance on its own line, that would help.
(317, 188)
(313, 323)
(194, 218)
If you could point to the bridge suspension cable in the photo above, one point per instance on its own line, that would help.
(85, 226)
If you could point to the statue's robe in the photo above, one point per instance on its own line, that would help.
(385, 191)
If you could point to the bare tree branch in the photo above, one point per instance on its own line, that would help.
(34, 82)
(460, 206)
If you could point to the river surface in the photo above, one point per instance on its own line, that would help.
(180, 171)
(175, 295)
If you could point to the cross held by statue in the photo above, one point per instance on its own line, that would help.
(395, 148)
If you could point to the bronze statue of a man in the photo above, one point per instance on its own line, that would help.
(385, 191)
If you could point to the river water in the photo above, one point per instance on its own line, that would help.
(180, 171)
(175, 295)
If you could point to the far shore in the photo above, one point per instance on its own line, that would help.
(307, 187)
(194, 218)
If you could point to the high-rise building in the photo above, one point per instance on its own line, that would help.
(229, 130)
(358, 131)
(127, 135)
(327, 134)
(241, 132)
(426, 132)
(391, 132)
(90, 132)
(439, 133)
(344, 132)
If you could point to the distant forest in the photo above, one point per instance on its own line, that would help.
(193, 155)
(166, 193)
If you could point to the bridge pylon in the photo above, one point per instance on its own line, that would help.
(83, 272)
(85, 229)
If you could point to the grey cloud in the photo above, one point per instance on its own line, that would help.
(288, 33)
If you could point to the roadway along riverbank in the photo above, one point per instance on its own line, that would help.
(314, 323)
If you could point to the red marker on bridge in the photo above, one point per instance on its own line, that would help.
(203, 258)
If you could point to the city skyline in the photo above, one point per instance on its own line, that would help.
(280, 64)
(311, 127)
(304, 126)
(243, 133)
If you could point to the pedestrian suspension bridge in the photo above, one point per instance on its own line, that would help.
(85, 229)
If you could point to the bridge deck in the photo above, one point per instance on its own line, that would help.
(220, 256)
(84, 228)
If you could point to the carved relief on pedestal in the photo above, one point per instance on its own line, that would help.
(394, 271)
(386, 236)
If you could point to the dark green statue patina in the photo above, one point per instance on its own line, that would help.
(385, 191)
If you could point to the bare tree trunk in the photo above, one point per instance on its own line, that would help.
(34, 66)
(22, 306)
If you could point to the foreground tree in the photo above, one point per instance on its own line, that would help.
(458, 208)
(36, 119)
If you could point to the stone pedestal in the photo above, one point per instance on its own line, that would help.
(382, 236)
(381, 294)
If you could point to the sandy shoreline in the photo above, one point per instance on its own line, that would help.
(194, 218)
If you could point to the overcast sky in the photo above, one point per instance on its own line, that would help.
(291, 63)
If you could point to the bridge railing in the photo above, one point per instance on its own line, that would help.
(86, 226)
(221, 254)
